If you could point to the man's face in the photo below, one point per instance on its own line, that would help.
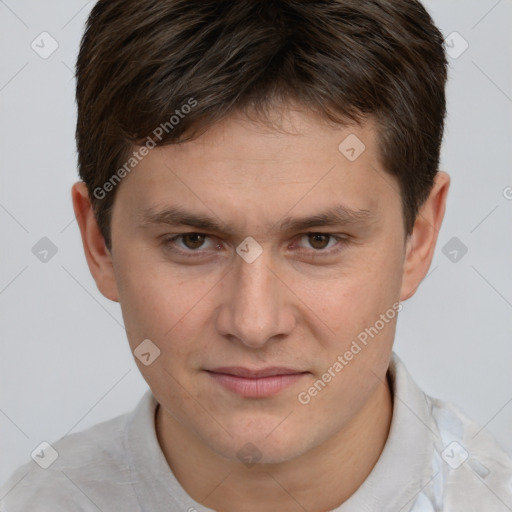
(330, 232)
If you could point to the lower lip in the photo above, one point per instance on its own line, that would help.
(256, 387)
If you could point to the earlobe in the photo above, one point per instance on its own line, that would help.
(422, 241)
(96, 252)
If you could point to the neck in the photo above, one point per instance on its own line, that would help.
(320, 479)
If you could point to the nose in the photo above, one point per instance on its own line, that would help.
(258, 307)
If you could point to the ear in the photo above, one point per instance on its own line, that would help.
(422, 241)
(98, 256)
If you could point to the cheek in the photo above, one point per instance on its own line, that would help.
(154, 297)
(359, 294)
(161, 306)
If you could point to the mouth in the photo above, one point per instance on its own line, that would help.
(256, 383)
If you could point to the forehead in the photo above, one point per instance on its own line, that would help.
(285, 136)
(241, 167)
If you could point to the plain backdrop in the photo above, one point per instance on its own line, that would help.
(65, 362)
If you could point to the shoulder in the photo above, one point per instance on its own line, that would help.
(465, 468)
(476, 473)
(76, 473)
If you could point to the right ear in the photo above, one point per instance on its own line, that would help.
(96, 252)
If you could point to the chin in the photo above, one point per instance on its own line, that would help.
(256, 445)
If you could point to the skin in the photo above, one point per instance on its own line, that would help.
(298, 305)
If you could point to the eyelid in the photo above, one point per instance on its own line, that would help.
(313, 233)
(341, 240)
(171, 239)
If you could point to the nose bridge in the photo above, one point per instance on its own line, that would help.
(257, 309)
(254, 282)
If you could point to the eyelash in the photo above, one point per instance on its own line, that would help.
(341, 242)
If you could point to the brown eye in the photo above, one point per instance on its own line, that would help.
(193, 240)
(318, 240)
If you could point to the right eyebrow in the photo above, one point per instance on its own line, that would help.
(174, 216)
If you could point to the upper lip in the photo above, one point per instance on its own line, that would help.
(239, 371)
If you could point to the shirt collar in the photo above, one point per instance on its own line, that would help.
(405, 465)
(155, 485)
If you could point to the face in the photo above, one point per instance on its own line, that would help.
(278, 339)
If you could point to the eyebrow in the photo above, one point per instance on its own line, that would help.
(338, 215)
(174, 216)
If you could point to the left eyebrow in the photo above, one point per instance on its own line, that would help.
(337, 216)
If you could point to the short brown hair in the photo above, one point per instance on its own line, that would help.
(141, 61)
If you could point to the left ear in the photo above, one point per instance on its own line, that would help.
(422, 241)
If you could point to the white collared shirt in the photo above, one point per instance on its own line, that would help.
(435, 459)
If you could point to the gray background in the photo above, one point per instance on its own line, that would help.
(65, 362)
